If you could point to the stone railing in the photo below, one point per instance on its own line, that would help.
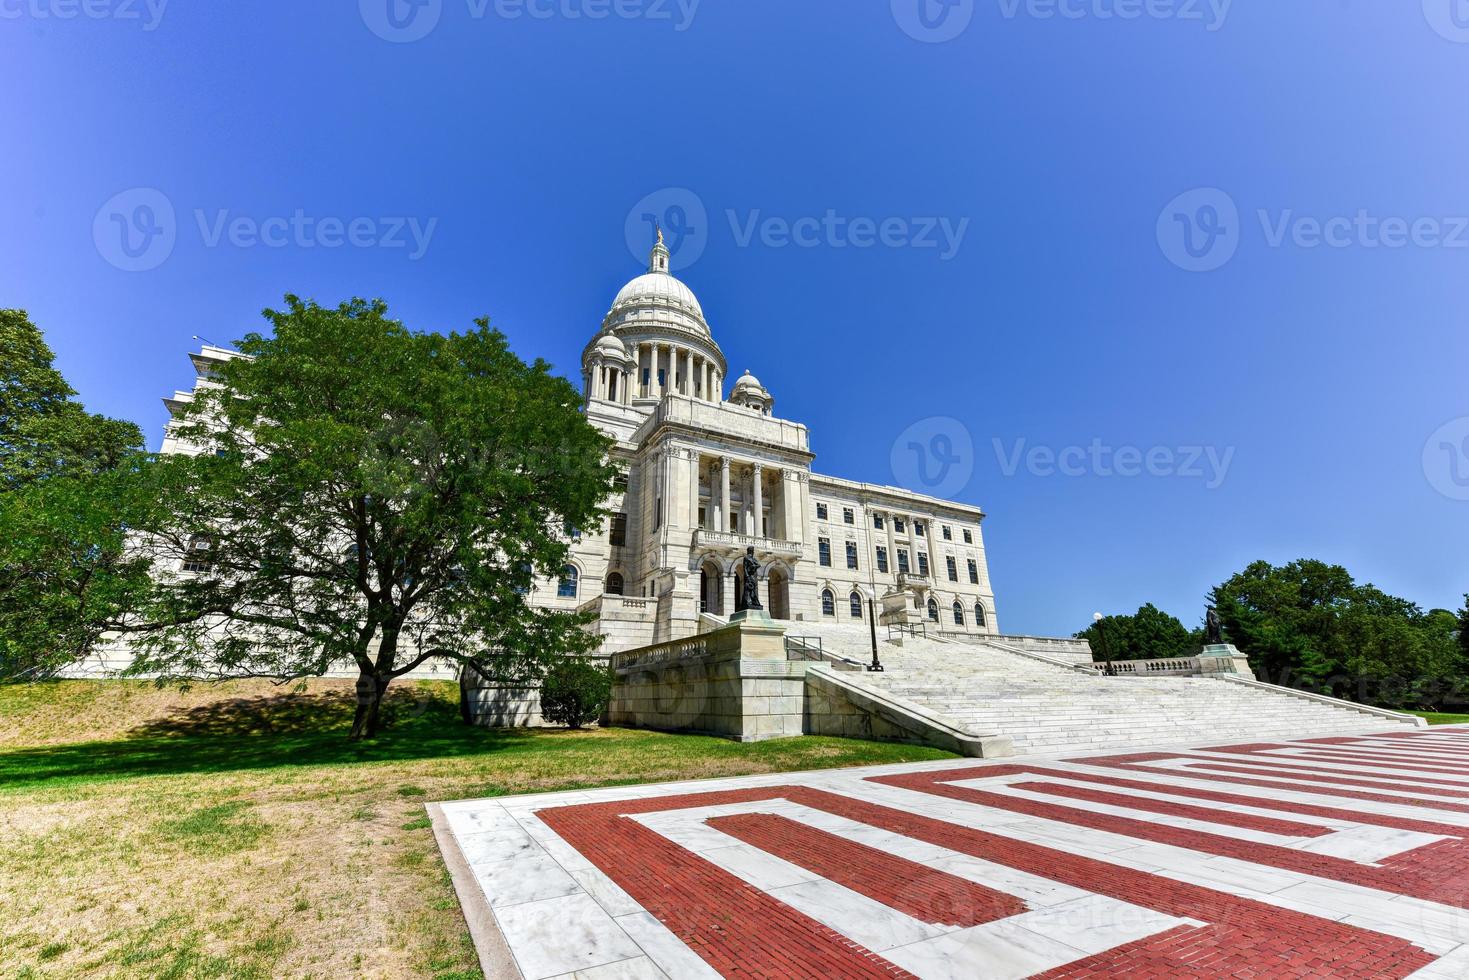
(691, 648)
(620, 607)
(1182, 667)
(729, 541)
(1208, 665)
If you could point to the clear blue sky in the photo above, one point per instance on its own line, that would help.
(1066, 317)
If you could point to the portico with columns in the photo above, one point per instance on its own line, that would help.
(708, 477)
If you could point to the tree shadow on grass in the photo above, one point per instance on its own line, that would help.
(284, 730)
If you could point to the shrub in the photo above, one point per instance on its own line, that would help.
(575, 692)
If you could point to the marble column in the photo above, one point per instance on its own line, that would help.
(892, 553)
(912, 545)
(759, 481)
(694, 467)
(723, 524)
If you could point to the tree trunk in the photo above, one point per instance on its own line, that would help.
(465, 713)
(371, 688)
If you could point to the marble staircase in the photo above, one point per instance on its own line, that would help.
(1047, 706)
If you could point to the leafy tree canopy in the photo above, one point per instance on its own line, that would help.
(65, 499)
(363, 493)
(1149, 634)
(1308, 622)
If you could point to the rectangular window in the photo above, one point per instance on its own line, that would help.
(657, 513)
(877, 521)
(968, 538)
(923, 564)
(703, 516)
(919, 529)
(882, 559)
(823, 547)
(197, 558)
(898, 524)
(948, 533)
(848, 516)
(851, 554)
(821, 512)
(952, 567)
(973, 572)
(903, 560)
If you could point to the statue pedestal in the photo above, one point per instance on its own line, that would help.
(1225, 658)
(754, 617)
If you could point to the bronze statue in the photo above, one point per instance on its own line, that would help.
(751, 597)
(1213, 628)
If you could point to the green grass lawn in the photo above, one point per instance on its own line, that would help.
(1441, 718)
(233, 831)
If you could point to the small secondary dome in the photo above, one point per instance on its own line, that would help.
(750, 393)
(611, 348)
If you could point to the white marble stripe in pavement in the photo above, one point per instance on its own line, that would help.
(1319, 767)
(1361, 842)
(1327, 781)
(1288, 792)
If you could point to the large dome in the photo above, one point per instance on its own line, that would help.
(658, 300)
(653, 288)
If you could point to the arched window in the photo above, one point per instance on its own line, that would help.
(828, 603)
(958, 614)
(980, 619)
(615, 584)
(933, 610)
(566, 587)
(856, 602)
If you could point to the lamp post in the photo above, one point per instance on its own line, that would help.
(1106, 653)
(876, 666)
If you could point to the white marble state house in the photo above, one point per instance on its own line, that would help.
(712, 469)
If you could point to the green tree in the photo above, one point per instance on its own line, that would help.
(367, 494)
(66, 496)
(1148, 634)
(1309, 623)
